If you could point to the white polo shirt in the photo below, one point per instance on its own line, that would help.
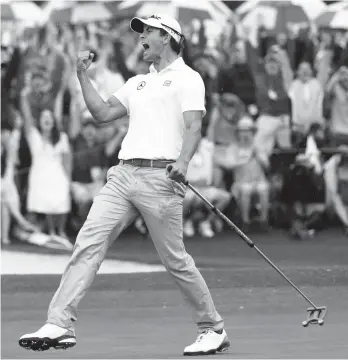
(155, 103)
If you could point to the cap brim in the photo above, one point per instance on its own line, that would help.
(137, 24)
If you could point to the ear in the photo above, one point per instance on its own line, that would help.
(166, 38)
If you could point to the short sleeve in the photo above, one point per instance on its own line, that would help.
(122, 94)
(192, 94)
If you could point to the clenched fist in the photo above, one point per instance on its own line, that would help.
(83, 63)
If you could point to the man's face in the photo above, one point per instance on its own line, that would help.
(153, 43)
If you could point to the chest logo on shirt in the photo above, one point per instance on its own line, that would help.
(167, 83)
(141, 85)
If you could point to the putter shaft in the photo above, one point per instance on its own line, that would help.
(249, 242)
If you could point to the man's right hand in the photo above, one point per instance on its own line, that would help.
(83, 64)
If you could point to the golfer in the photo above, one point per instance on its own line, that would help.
(165, 108)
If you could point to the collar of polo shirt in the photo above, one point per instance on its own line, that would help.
(170, 25)
(175, 65)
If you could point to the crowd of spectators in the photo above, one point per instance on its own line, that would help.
(273, 141)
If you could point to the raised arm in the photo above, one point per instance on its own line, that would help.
(28, 120)
(102, 111)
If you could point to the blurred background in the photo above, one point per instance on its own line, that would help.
(274, 141)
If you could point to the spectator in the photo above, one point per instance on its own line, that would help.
(50, 173)
(323, 58)
(200, 174)
(226, 115)
(227, 112)
(307, 95)
(10, 202)
(89, 170)
(249, 166)
(337, 91)
(237, 78)
(335, 174)
(273, 124)
(304, 48)
(304, 186)
(340, 51)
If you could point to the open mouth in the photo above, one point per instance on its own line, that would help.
(145, 46)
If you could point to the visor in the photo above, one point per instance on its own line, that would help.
(171, 26)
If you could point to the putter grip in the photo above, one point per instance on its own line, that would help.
(170, 167)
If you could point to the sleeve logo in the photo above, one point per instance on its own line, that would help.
(167, 83)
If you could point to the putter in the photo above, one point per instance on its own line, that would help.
(316, 314)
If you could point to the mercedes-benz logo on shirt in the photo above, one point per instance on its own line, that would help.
(141, 85)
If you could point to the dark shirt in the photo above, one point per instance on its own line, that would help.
(238, 80)
(86, 158)
(268, 106)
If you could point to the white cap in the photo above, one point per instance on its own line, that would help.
(170, 25)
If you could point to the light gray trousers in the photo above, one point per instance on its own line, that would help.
(129, 191)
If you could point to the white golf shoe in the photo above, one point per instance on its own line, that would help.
(208, 343)
(48, 336)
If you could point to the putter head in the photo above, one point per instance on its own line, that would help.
(315, 316)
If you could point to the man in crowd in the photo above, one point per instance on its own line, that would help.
(273, 124)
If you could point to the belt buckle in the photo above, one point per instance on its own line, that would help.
(151, 163)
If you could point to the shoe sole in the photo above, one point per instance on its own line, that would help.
(43, 344)
(223, 347)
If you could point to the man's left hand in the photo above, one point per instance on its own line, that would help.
(177, 172)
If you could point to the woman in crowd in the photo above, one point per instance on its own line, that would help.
(249, 167)
(50, 173)
(337, 94)
(10, 203)
(307, 95)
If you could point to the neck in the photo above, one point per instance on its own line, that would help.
(166, 59)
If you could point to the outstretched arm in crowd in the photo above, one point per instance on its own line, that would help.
(102, 111)
(28, 122)
(287, 73)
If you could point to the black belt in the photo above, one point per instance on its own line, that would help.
(147, 163)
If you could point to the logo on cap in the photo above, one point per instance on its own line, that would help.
(167, 83)
(141, 85)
